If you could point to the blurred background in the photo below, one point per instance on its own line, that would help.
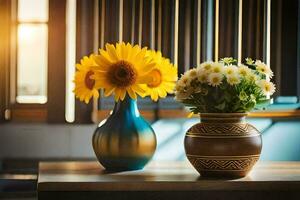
(41, 40)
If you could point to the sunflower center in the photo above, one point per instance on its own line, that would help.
(157, 78)
(89, 83)
(122, 74)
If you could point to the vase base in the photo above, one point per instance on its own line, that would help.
(118, 164)
(115, 170)
(223, 174)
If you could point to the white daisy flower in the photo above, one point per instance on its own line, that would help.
(202, 75)
(179, 86)
(267, 87)
(263, 68)
(202, 78)
(207, 66)
(233, 79)
(192, 73)
(249, 61)
(243, 70)
(230, 70)
(185, 80)
(252, 77)
(182, 95)
(215, 79)
(217, 67)
(227, 60)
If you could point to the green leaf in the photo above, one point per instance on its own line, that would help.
(263, 103)
(221, 106)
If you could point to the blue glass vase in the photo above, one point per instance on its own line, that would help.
(125, 140)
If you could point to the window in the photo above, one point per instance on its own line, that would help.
(32, 50)
(34, 62)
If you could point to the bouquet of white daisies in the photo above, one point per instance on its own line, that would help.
(225, 86)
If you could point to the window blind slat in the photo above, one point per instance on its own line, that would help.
(228, 28)
(157, 26)
(187, 35)
(146, 23)
(207, 29)
(253, 29)
(111, 27)
(167, 28)
(128, 20)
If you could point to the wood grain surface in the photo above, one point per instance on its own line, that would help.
(164, 181)
(162, 176)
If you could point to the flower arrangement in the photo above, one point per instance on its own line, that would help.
(123, 69)
(225, 86)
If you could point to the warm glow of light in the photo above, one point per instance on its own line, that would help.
(26, 33)
(32, 60)
(32, 51)
(33, 10)
(70, 60)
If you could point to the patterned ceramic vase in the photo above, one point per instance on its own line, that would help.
(223, 145)
(124, 141)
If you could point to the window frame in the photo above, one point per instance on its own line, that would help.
(53, 111)
(5, 13)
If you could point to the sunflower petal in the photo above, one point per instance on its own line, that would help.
(102, 62)
(161, 92)
(122, 94)
(108, 91)
(144, 79)
(124, 51)
(147, 68)
(131, 93)
(111, 50)
(117, 94)
(105, 56)
(138, 89)
(154, 96)
(96, 94)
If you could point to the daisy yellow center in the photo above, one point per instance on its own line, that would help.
(207, 67)
(267, 88)
(202, 78)
(193, 73)
(89, 83)
(185, 80)
(122, 74)
(216, 70)
(229, 71)
(215, 79)
(243, 72)
(157, 78)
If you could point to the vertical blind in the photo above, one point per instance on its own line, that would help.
(189, 31)
(192, 31)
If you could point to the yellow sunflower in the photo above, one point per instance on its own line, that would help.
(122, 69)
(164, 76)
(85, 85)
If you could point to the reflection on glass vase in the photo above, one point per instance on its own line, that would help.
(125, 140)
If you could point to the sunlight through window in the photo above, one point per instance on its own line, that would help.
(32, 51)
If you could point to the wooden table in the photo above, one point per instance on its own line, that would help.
(165, 180)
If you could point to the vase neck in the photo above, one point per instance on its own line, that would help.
(127, 105)
(223, 117)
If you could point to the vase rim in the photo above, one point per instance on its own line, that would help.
(223, 115)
